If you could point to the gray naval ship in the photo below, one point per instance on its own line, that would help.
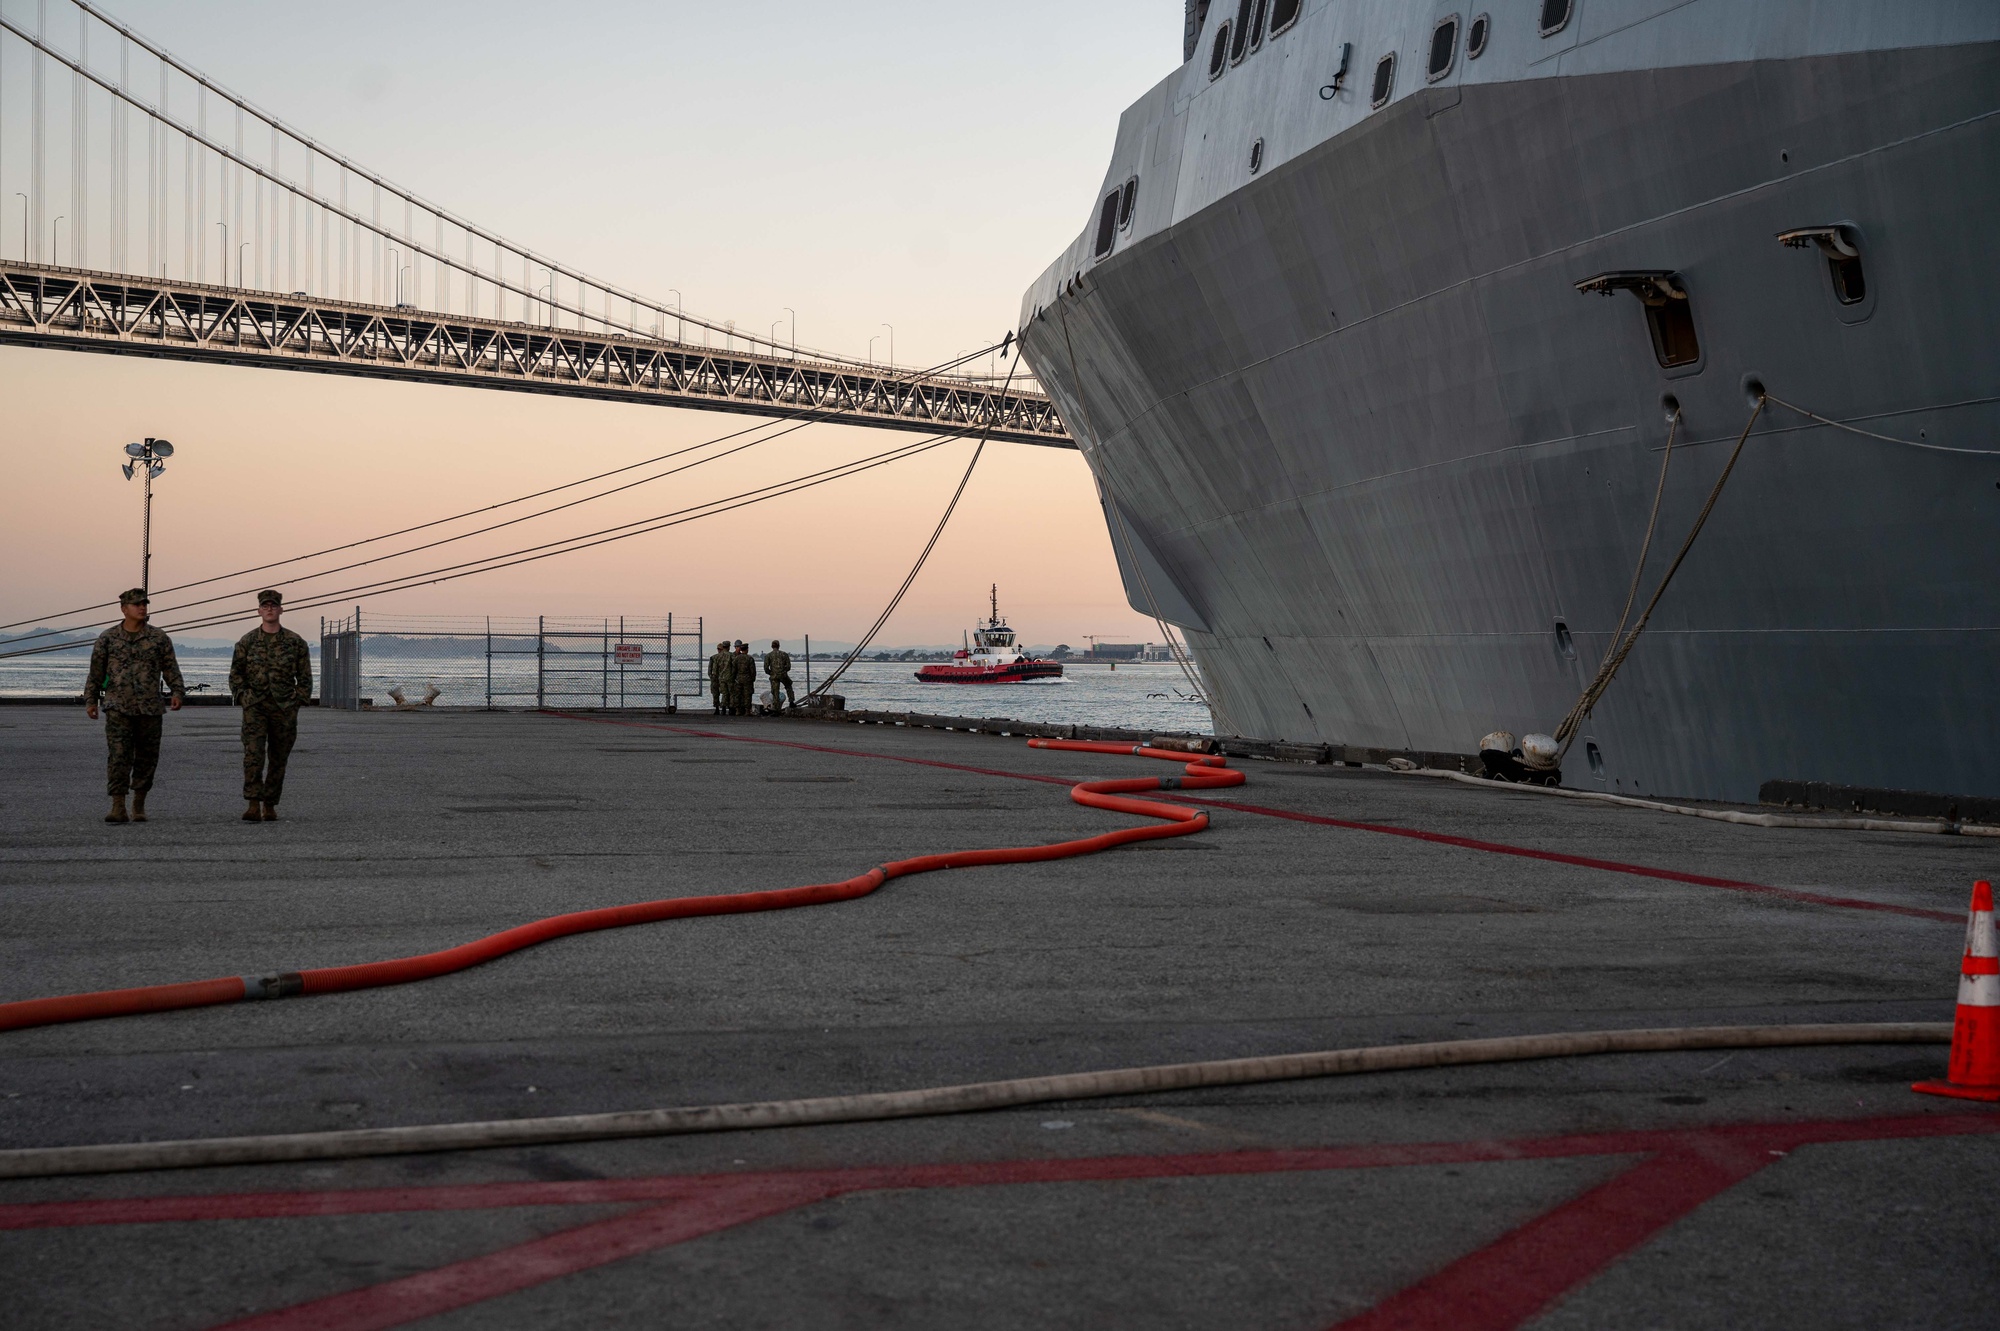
(1385, 312)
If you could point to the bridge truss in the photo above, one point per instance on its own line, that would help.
(79, 310)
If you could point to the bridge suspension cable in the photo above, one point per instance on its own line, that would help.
(290, 144)
(567, 545)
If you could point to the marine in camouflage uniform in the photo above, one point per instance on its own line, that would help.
(127, 664)
(743, 675)
(720, 690)
(270, 677)
(778, 669)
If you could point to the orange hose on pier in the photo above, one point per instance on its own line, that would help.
(1203, 773)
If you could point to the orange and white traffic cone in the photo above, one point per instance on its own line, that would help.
(1975, 1035)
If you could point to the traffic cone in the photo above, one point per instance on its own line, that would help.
(1975, 1035)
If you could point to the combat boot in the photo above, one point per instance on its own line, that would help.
(138, 806)
(253, 814)
(270, 812)
(117, 814)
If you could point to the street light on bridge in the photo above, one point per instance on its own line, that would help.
(150, 457)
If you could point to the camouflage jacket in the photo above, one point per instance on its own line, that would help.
(743, 667)
(777, 662)
(720, 672)
(272, 669)
(126, 669)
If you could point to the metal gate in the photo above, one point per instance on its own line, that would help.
(340, 662)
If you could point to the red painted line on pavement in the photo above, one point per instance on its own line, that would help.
(1518, 1275)
(1383, 829)
(1497, 1287)
(460, 1284)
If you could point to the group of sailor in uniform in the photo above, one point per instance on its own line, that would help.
(135, 680)
(732, 678)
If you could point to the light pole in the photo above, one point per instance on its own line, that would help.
(774, 337)
(551, 285)
(892, 344)
(871, 347)
(24, 224)
(795, 335)
(680, 331)
(151, 457)
(55, 251)
(239, 262)
(225, 252)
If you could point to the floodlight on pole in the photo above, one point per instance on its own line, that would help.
(151, 457)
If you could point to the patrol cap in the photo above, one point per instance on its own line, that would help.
(269, 597)
(137, 596)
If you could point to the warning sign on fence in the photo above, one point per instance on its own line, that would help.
(629, 653)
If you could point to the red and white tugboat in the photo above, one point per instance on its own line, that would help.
(991, 658)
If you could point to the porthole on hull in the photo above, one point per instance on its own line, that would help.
(1256, 157)
(1595, 757)
(1476, 34)
(1555, 16)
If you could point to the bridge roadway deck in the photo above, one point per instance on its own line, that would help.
(1261, 935)
(73, 309)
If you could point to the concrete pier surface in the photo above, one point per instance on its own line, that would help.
(1778, 1188)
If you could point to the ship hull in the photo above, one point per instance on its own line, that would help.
(1358, 433)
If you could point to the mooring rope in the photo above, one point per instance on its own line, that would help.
(1566, 732)
(1885, 438)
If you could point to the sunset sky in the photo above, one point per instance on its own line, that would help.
(910, 164)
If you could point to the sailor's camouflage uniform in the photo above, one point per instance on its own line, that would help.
(125, 673)
(270, 677)
(743, 678)
(778, 669)
(721, 689)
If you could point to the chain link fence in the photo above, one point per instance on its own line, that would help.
(417, 661)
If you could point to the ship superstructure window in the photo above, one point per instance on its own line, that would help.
(1669, 313)
(1475, 37)
(1126, 198)
(1218, 55)
(1241, 41)
(1107, 223)
(1257, 25)
(1256, 157)
(1444, 49)
(1284, 13)
(1385, 80)
(1555, 16)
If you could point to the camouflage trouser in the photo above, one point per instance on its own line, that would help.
(268, 736)
(134, 742)
(715, 693)
(784, 682)
(745, 695)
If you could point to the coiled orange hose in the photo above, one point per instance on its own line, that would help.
(1202, 774)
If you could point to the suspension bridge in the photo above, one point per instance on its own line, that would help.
(327, 277)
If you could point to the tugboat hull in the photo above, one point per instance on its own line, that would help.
(1018, 672)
